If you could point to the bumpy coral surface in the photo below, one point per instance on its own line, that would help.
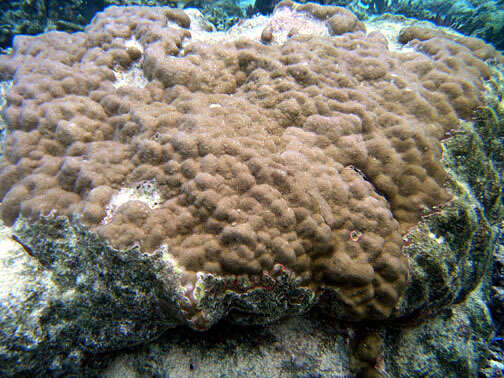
(314, 155)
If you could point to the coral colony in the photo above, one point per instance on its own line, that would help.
(261, 180)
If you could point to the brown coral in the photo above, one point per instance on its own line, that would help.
(316, 154)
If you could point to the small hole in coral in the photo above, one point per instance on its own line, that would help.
(355, 235)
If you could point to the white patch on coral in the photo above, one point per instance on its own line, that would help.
(134, 76)
(494, 88)
(198, 22)
(391, 26)
(285, 20)
(390, 29)
(146, 192)
(4, 88)
(281, 22)
(134, 43)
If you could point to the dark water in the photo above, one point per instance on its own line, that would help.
(483, 19)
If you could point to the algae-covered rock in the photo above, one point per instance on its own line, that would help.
(223, 13)
(451, 250)
(4, 87)
(298, 346)
(452, 344)
(72, 295)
